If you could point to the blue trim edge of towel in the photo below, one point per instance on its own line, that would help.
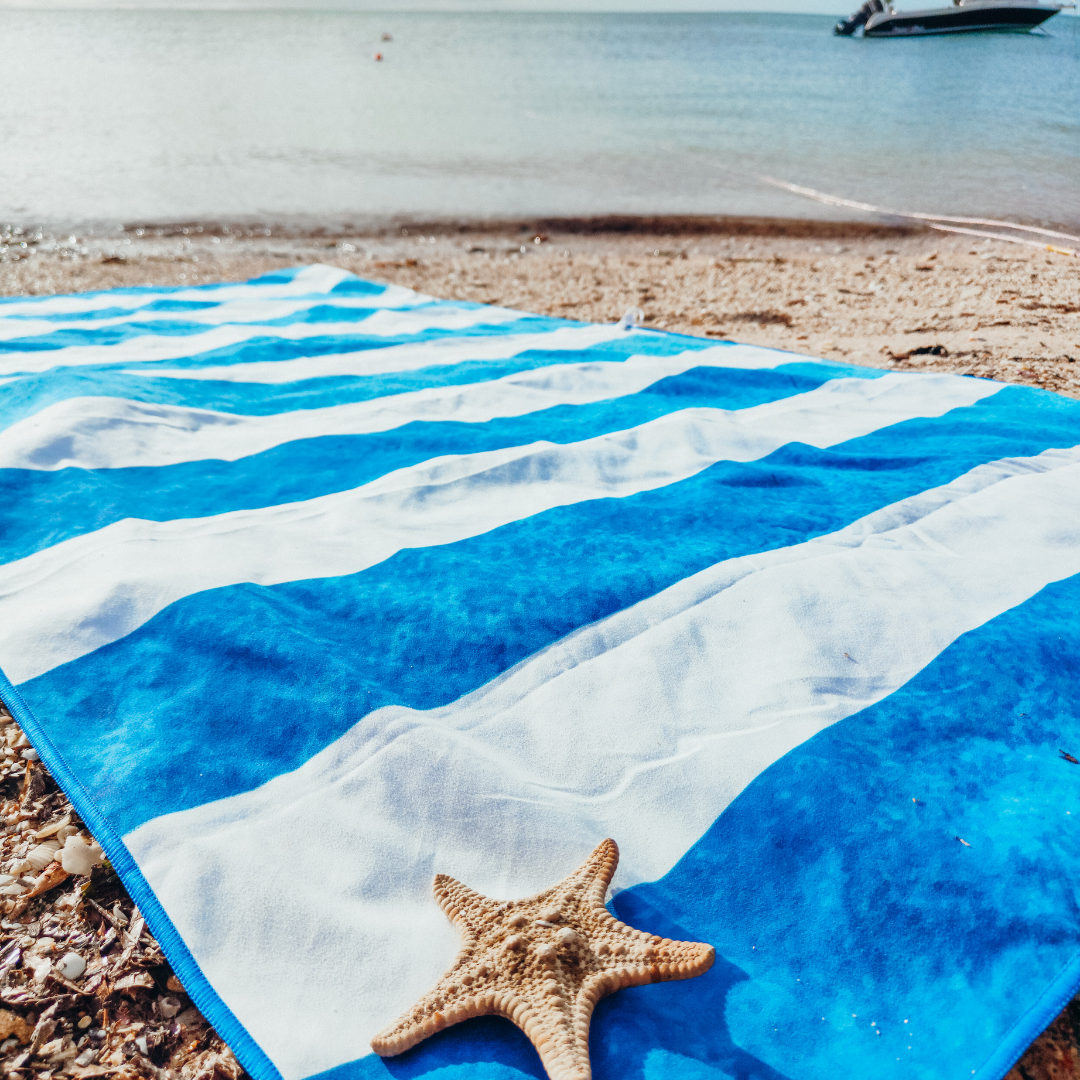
(1033, 1023)
(196, 984)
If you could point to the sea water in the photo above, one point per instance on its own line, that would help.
(274, 115)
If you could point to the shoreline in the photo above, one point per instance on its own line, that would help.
(902, 297)
(821, 221)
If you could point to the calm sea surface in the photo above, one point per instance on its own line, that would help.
(126, 116)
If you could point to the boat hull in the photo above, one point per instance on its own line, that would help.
(958, 20)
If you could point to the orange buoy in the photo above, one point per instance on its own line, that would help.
(378, 56)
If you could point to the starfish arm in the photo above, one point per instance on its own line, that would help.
(464, 907)
(446, 1004)
(595, 874)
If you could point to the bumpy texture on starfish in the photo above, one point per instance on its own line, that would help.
(543, 963)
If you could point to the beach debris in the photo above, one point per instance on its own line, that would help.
(54, 828)
(378, 56)
(922, 350)
(763, 318)
(963, 841)
(631, 318)
(79, 857)
(543, 963)
(50, 877)
(85, 990)
(71, 966)
(386, 36)
(1068, 757)
(168, 1006)
(40, 856)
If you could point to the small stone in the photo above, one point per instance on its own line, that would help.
(71, 966)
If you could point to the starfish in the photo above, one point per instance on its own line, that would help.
(543, 963)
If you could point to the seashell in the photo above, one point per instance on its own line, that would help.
(71, 966)
(40, 967)
(40, 856)
(54, 827)
(79, 857)
(13, 889)
(168, 1007)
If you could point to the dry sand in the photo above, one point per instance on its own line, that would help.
(909, 299)
(878, 296)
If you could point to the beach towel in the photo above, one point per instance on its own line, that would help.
(313, 588)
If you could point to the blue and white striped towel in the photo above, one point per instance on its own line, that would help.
(312, 588)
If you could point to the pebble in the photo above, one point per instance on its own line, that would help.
(31, 755)
(71, 966)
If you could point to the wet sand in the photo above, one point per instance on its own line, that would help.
(900, 298)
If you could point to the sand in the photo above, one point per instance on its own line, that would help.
(906, 299)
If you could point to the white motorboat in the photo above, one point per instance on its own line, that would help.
(878, 18)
